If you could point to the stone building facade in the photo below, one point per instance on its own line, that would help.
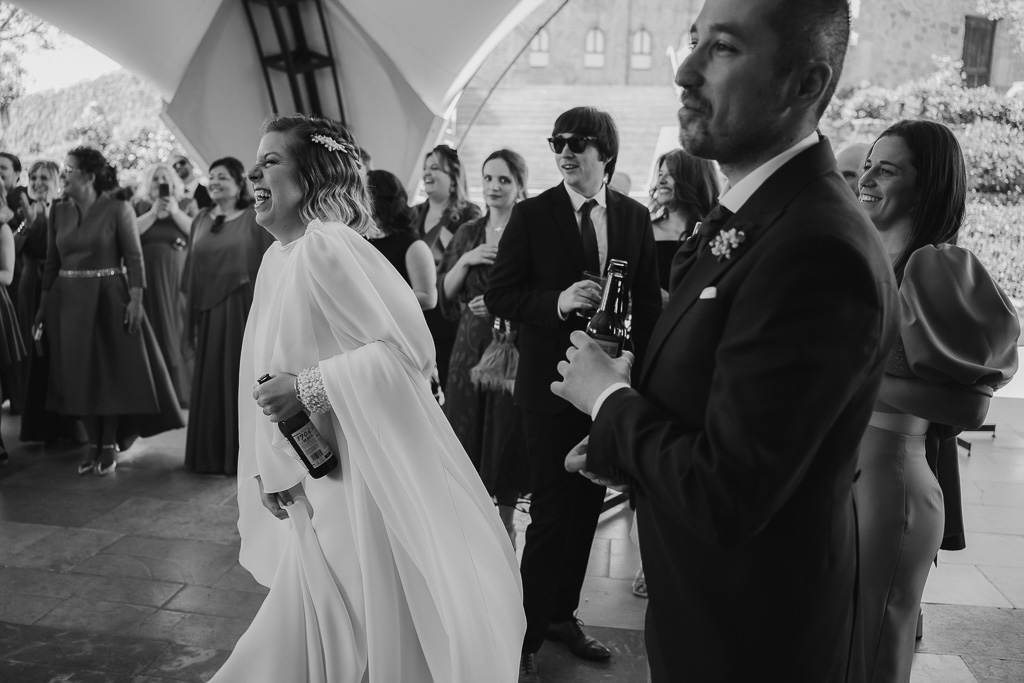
(896, 39)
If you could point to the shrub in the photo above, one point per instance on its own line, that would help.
(995, 232)
(994, 153)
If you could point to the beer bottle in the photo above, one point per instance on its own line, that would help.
(608, 326)
(304, 437)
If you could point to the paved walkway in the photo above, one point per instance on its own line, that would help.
(133, 578)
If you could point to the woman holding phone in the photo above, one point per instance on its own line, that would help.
(165, 225)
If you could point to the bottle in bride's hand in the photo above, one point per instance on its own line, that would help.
(608, 326)
(309, 445)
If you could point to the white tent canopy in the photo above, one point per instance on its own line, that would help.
(402, 64)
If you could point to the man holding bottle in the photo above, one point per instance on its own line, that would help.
(538, 281)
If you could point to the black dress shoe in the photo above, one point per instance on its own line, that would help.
(528, 669)
(579, 643)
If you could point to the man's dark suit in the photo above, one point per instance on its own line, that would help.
(541, 254)
(741, 435)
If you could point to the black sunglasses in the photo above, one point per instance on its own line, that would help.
(577, 143)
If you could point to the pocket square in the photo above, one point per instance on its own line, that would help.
(709, 293)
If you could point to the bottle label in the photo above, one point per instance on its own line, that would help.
(611, 346)
(312, 444)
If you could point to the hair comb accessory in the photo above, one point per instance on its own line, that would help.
(335, 145)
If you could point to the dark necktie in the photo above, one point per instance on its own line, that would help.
(696, 242)
(589, 237)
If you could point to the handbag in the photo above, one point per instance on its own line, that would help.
(496, 370)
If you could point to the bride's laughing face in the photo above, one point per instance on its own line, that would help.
(276, 185)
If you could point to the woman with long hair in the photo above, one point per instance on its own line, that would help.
(220, 273)
(958, 343)
(164, 217)
(685, 190)
(485, 420)
(437, 219)
(105, 363)
(393, 566)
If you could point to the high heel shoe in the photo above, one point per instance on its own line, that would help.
(85, 467)
(105, 469)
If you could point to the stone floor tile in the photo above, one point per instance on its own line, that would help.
(627, 665)
(171, 519)
(996, 493)
(215, 602)
(63, 549)
(940, 669)
(18, 608)
(611, 603)
(624, 560)
(987, 632)
(197, 630)
(995, 670)
(615, 523)
(988, 549)
(186, 663)
(239, 579)
(1009, 581)
(42, 583)
(76, 651)
(18, 672)
(597, 564)
(17, 536)
(96, 616)
(992, 519)
(76, 509)
(962, 584)
(979, 470)
(177, 561)
(131, 591)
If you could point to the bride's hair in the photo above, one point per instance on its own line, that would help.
(328, 160)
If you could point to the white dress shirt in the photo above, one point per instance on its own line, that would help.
(598, 215)
(733, 199)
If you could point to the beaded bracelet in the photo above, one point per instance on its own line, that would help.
(309, 388)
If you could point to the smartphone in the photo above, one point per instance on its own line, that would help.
(165, 190)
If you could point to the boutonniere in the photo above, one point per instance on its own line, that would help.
(725, 241)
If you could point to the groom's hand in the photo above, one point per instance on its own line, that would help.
(576, 461)
(588, 371)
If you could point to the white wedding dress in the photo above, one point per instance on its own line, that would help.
(395, 567)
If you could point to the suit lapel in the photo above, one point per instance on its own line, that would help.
(754, 218)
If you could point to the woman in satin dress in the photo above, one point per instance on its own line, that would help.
(958, 343)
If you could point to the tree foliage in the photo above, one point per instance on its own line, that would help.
(18, 31)
(1013, 10)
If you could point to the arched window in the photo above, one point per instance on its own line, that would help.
(640, 49)
(593, 49)
(540, 48)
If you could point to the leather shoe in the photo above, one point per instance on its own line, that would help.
(528, 669)
(579, 643)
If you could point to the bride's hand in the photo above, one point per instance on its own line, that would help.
(277, 397)
(276, 502)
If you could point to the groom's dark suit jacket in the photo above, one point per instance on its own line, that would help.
(741, 436)
(541, 254)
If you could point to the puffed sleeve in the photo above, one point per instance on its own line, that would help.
(958, 326)
(129, 244)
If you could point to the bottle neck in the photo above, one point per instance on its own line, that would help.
(613, 300)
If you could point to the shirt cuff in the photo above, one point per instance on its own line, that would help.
(605, 394)
(558, 312)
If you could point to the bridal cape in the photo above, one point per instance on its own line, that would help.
(394, 568)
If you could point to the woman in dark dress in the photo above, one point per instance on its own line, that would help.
(958, 343)
(485, 420)
(225, 254)
(685, 191)
(12, 348)
(165, 223)
(447, 207)
(105, 363)
(400, 243)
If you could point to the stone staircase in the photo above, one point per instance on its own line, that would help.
(520, 118)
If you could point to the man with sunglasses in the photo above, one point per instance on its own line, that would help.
(192, 187)
(538, 281)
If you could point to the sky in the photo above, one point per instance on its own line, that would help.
(71, 62)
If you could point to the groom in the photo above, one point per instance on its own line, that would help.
(739, 439)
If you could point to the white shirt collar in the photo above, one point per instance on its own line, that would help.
(577, 199)
(737, 195)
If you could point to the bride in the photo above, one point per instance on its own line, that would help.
(393, 568)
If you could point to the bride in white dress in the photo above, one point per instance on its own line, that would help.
(393, 568)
